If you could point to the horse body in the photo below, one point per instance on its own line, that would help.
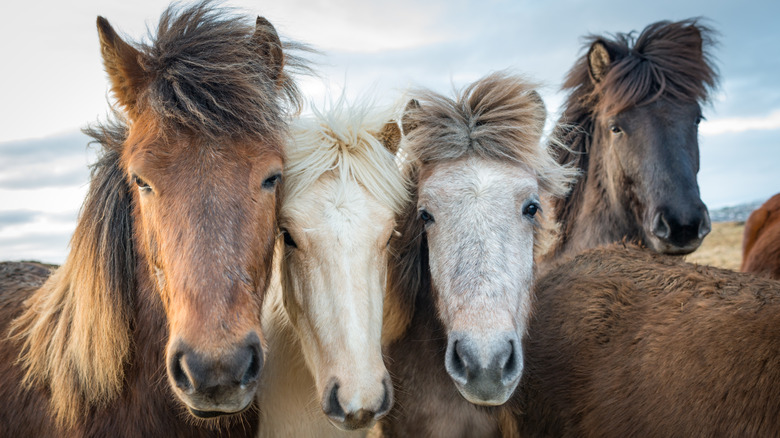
(151, 326)
(461, 272)
(325, 374)
(761, 243)
(625, 342)
(630, 123)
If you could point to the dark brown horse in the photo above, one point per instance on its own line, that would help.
(152, 324)
(628, 343)
(761, 243)
(631, 123)
(460, 273)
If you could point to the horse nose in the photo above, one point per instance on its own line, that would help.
(488, 372)
(356, 417)
(682, 228)
(216, 377)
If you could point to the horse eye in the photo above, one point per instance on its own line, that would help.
(142, 185)
(531, 209)
(699, 119)
(288, 240)
(272, 181)
(615, 129)
(426, 217)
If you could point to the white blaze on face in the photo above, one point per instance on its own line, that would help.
(334, 288)
(481, 261)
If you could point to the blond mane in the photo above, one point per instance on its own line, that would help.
(347, 139)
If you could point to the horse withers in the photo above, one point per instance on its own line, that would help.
(630, 123)
(151, 327)
(461, 271)
(323, 318)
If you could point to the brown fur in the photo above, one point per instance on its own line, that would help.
(497, 118)
(625, 342)
(668, 61)
(86, 352)
(761, 244)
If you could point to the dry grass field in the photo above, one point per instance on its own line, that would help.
(722, 247)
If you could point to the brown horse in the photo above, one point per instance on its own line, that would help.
(625, 342)
(152, 324)
(761, 244)
(460, 273)
(631, 122)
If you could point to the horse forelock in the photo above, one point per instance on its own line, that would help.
(499, 117)
(206, 77)
(343, 139)
(75, 331)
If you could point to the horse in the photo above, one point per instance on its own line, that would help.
(627, 342)
(461, 270)
(323, 315)
(630, 124)
(151, 327)
(761, 241)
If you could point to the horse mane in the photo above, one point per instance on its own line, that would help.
(668, 60)
(500, 117)
(203, 80)
(348, 139)
(75, 330)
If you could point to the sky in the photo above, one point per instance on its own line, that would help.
(52, 81)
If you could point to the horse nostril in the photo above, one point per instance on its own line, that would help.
(704, 226)
(252, 372)
(661, 227)
(512, 366)
(332, 406)
(387, 400)
(457, 361)
(179, 374)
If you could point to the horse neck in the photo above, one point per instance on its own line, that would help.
(593, 215)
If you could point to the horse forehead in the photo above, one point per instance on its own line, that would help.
(333, 208)
(477, 180)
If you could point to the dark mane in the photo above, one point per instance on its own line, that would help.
(201, 81)
(668, 60)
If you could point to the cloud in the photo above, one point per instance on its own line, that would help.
(741, 124)
(15, 217)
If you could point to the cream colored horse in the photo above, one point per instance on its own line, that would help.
(323, 317)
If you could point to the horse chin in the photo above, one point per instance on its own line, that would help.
(667, 248)
(209, 415)
(481, 397)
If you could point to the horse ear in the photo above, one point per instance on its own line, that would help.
(122, 64)
(269, 46)
(598, 60)
(390, 136)
(407, 123)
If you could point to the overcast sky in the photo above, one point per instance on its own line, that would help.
(52, 82)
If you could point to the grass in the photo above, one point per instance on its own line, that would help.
(722, 247)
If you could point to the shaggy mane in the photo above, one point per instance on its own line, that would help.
(75, 331)
(204, 81)
(668, 60)
(345, 139)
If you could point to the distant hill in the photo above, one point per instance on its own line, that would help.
(735, 213)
